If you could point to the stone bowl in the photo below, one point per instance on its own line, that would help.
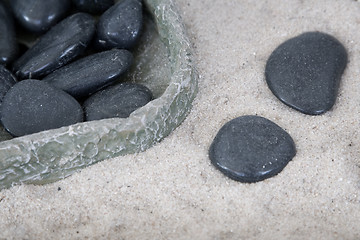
(163, 62)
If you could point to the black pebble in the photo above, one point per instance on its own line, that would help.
(116, 101)
(32, 106)
(39, 15)
(251, 148)
(58, 46)
(93, 6)
(304, 72)
(8, 44)
(90, 74)
(7, 80)
(120, 26)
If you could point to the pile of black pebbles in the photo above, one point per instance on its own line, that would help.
(72, 71)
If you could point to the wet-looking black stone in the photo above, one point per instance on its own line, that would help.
(251, 148)
(120, 26)
(61, 44)
(92, 73)
(304, 72)
(39, 15)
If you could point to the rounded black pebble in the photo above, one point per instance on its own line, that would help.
(92, 73)
(32, 106)
(8, 44)
(251, 148)
(120, 26)
(93, 6)
(62, 43)
(116, 101)
(7, 80)
(39, 15)
(304, 72)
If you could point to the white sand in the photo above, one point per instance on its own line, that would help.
(172, 191)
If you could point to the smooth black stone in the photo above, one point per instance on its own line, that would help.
(39, 15)
(304, 72)
(120, 26)
(7, 80)
(251, 149)
(32, 106)
(92, 73)
(62, 43)
(116, 101)
(93, 6)
(8, 44)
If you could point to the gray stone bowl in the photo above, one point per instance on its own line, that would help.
(163, 63)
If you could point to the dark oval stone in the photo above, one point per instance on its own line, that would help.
(93, 6)
(251, 148)
(90, 74)
(7, 80)
(39, 15)
(32, 106)
(116, 101)
(62, 43)
(8, 44)
(120, 26)
(304, 72)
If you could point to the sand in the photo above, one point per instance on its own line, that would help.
(172, 191)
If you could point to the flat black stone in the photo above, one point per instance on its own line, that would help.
(39, 15)
(251, 149)
(7, 80)
(120, 26)
(32, 106)
(116, 101)
(93, 6)
(304, 72)
(62, 43)
(8, 44)
(92, 73)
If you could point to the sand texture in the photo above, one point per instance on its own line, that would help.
(172, 191)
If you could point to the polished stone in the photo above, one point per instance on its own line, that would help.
(39, 15)
(251, 149)
(92, 73)
(120, 26)
(7, 80)
(32, 106)
(116, 101)
(93, 6)
(61, 44)
(8, 44)
(304, 72)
